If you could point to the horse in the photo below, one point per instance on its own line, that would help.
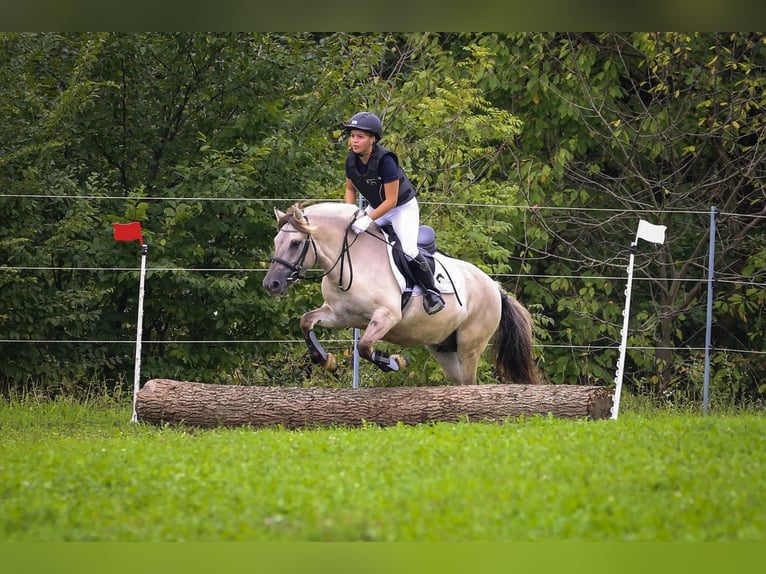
(361, 290)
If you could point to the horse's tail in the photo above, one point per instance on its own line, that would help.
(512, 352)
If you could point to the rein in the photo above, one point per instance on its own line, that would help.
(345, 250)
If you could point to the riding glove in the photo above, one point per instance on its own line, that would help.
(361, 224)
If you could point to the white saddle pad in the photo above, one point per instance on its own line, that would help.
(440, 276)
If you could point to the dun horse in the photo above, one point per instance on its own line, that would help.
(362, 290)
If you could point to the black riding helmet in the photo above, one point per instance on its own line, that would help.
(367, 122)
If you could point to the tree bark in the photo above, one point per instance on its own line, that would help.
(208, 405)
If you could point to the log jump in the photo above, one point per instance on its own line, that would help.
(211, 405)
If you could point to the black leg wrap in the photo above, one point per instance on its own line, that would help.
(384, 361)
(316, 351)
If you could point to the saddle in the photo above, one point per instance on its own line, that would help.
(426, 247)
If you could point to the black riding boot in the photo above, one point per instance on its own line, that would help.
(433, 302)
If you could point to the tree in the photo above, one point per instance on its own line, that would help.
(661, 124)
(150, 118)
(552, 146)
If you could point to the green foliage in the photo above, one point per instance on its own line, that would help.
(615, 124)
(534, 154)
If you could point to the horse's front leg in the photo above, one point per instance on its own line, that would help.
(319, 356)
(381, 323)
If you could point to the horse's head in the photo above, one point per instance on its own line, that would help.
(294, 251)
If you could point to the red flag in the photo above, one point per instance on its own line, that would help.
(128, 232)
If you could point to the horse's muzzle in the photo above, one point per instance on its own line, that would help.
(275, 287)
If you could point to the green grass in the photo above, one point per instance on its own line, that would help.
(79, 471)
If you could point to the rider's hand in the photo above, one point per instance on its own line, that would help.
(361, 224)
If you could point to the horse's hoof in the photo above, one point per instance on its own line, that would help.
(331, 363)
(386, 362)
(400, 361)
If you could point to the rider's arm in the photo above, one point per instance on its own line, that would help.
(389, 172)
(391, 190)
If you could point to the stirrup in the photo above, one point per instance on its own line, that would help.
(433, 302)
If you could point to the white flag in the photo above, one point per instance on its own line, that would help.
(650, 232)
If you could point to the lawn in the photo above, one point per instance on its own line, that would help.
(81, 471)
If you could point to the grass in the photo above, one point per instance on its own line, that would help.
(80, 471)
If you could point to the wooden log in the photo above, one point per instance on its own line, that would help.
(208, 405)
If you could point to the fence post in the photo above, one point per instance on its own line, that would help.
(355, 380)
(709, 323)
(624, 333)
(653, 234)
(139, 331)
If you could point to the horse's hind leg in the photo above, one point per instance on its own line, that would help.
(460, 367)
(461, 361)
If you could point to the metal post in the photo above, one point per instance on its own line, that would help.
(139, 329)
(709, 322)
(624, 341)
(355, 383)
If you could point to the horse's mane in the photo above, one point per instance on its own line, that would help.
(295, 214)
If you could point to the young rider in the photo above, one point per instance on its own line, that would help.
(374, 171)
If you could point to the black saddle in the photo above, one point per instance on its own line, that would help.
(426, 247)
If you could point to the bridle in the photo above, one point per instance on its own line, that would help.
(298, 266)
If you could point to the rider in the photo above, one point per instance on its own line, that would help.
(374, 171)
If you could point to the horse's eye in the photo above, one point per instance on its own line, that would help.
(295, 244)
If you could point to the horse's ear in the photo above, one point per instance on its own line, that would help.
(279, 214)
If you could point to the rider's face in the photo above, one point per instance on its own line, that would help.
(360, 141)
